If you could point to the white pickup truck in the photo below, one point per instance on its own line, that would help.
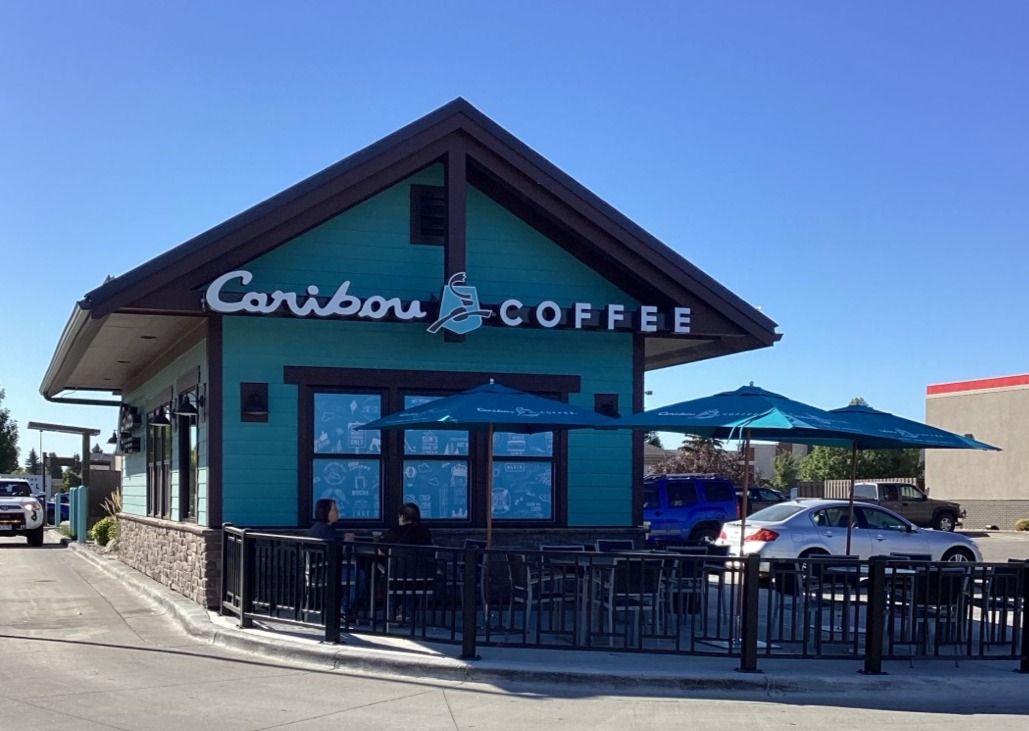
(20, 512)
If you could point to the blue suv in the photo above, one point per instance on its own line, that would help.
(687, 508)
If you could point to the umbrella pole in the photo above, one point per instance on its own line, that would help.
(489, 487)
(487, 588)
(853, 475)
(738, 615)
(746, 487)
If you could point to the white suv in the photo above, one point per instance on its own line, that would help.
(20, 512)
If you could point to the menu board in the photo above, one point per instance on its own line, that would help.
(522, 490)
(355, 485)
(428, 442)
(510, 444)
(336, 418)
(438, 487)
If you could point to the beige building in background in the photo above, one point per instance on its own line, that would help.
(992, 486)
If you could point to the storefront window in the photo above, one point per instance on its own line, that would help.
(189, 466)
(436, 468)
(158, 462)
(523, 476)
(347, 463)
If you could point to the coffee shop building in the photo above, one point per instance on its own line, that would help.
(444, 255)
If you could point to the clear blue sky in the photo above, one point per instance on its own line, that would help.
(858, 170)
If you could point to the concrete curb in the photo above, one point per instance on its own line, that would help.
(592, 668)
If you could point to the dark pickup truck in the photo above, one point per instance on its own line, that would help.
(910, 502)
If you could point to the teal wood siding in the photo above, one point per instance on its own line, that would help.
(370, 246)
(134, 487)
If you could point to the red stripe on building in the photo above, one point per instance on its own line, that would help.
(977, 385)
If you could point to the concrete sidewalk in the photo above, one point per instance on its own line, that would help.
(396, 656)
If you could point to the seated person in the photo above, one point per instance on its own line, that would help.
(409, 530)
(326, 513)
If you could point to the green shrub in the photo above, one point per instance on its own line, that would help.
(104, 531)
(1022, 524)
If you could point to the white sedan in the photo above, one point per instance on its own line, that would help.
(805, 528)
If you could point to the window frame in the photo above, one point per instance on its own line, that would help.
(379, 458)
(187, 428)
(159, 455)
(394, 385)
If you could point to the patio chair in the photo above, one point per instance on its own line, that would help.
(790, 606)
(411, 581)
(1002, 604)
(547, 594)
(316, 581)
(686, 587)
(631, 589)
(936, 612)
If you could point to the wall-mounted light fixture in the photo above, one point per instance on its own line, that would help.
(190, 404)
(160, 418)
(114, 438)
(253, 402)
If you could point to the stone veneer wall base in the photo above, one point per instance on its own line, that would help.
(183, 556)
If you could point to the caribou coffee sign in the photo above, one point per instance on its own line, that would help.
(458, 309)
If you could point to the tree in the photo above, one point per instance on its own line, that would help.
(704, 455)
(653, 440)
(832, 463)
(786, 470)
(56, 471)
(32, 465)
(73, 474)
(8, 439)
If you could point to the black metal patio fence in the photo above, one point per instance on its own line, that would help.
(690, 603)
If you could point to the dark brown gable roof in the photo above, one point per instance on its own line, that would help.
(154, 311)
(498, 162)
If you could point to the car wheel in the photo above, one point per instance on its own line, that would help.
(804, 568)
(703, 536)
(945, 522)
(35, 536)
(958, 555)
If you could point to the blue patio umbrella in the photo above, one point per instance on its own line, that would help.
(489, 408)
(766, 415)
(754, 413)
(907, 433)
(901, 433)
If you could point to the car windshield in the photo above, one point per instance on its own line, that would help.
(15, 489)
(777, 513)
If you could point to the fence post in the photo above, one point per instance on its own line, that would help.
(749, 615)
(333, 605)
(246, 574)
(468, 603)
(1023, 665)
(876, 617)
(223, 580)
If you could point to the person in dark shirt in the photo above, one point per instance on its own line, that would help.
(409, 530)
(325, 514)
